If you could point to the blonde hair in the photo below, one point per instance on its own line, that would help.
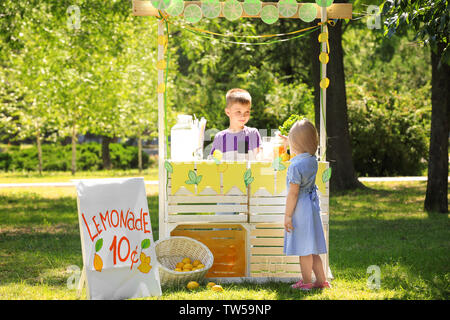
(303, 137)
(238, 96)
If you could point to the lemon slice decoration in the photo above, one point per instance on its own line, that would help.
(287, 8)
(211, 8)
(232, 10)
(269, 14)
(324, 3)
(176, 7)
(161, 4)
(193, 13)
(252, 7)
(307, 12)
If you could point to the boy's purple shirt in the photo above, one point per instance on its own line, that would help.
(241, 142)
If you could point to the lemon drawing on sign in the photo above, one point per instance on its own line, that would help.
(324, 3)
(307, 12)
(269, 14)
(98, 262)
(211, 8)
(193, 13)
(232, 10)
(161, 4)
(287, 8)
(145, 266)
(252, 7)
(176, 7)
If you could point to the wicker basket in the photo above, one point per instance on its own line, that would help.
(172, 250)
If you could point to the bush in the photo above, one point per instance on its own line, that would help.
(59, 158)
(388, 141)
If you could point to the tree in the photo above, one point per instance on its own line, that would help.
(430, 21)
(339, 150)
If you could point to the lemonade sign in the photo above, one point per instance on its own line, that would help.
(117, 241)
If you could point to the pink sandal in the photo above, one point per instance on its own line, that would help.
(323, 285)
(302, 286)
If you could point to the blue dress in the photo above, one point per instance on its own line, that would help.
(307, 237)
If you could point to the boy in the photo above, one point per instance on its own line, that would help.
(238, 142)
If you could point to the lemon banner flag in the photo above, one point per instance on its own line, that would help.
(116, 239)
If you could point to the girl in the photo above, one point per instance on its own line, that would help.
(303, 234)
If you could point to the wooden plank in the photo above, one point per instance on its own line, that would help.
(278, 218)
(267, 209)
(267, 232)
(255, 201)
(335, 11)
(274, 267)
(267, 250)
(206, 208)
(274, 259)
(237, 218)
(267, 241)
(207, 199)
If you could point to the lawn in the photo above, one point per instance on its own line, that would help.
(384, 226)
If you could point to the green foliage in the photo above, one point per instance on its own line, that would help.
(58, 158)
(287, 125)
(429, 19)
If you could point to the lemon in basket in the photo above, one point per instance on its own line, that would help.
(187, 266)
(186, 261)
(196, 263)
(200, 266)
(192, 285)
(178, 269)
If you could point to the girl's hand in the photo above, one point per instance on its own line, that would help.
(288, 223)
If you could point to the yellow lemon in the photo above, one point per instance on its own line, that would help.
(192, 285)
(196, 263)
(178, 270)
(187, 266)
(210, 285)
(217, 288)
(186, 260)
(201, 266)
(217, 154)
(180, 265)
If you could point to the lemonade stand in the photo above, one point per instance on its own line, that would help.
(247, 244)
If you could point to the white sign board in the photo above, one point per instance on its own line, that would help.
(116, 239)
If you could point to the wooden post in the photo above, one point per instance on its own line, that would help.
(323, 95)
(161, 138)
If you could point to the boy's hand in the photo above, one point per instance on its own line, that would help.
(288, 223)
(285, 139)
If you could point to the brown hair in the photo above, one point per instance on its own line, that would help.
(238, 96)
(303, 137)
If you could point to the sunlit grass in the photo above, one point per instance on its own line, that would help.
(385, 226)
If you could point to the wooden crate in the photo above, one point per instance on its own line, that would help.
(227, 242)
(266, 252)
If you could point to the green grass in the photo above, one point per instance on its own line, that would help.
(66, 176)
(385, 226)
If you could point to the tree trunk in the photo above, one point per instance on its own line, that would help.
(39, 150)
(106, 155)
(436, 199)
(339, 150)
(74, 149)
(140, 154)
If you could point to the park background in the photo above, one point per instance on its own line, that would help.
(80, 101)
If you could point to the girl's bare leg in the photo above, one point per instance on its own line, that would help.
(317, 267)
(306, 265)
